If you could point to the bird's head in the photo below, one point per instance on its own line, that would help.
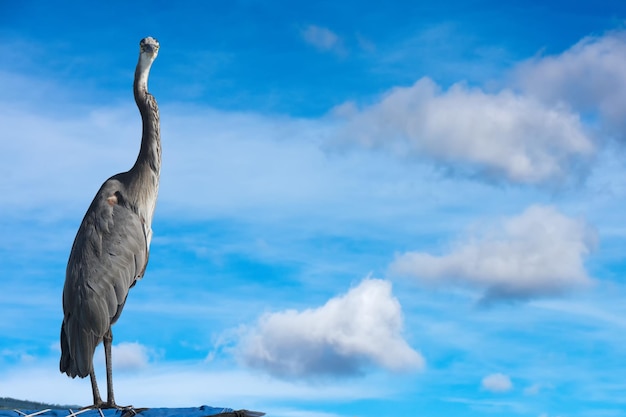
(148, 49)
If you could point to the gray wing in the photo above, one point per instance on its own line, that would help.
(109, 254)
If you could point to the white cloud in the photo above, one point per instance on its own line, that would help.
(322, 38)
(16, 355)
(347, 334)
(184, 384)
(501, 135)
(55, 149)
(365, 44)
(540, 252)
(129, 356)
(533, 389)
(497, 383)
(588, 76)
(250, 161)
(126, 356)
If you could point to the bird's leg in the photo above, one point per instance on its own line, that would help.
(97, 400)
(107, 340)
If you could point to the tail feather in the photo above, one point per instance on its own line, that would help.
(76, 351)
(64, 364)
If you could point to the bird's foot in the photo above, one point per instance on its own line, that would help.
(101, 405)
(95, 406)
(127, 410)
(130, 411)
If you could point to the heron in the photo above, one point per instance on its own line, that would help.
(110, 251)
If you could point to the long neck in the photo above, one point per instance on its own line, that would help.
(150, 152)
(143, 178)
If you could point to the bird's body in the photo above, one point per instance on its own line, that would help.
(110, 251)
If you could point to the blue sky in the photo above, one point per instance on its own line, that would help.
(365, 209)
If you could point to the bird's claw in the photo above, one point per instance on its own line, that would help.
(126, 410)
(130, 411)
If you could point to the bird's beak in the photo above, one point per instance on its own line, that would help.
(150, 48)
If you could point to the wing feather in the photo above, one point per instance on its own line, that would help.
(109, 254)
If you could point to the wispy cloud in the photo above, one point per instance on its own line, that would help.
(536, 389)
(365, 44)
(497, 383)
(56, 149)
(323, 39)
(501, 136)
(345, 336)
(540, 252)
(185, 384)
